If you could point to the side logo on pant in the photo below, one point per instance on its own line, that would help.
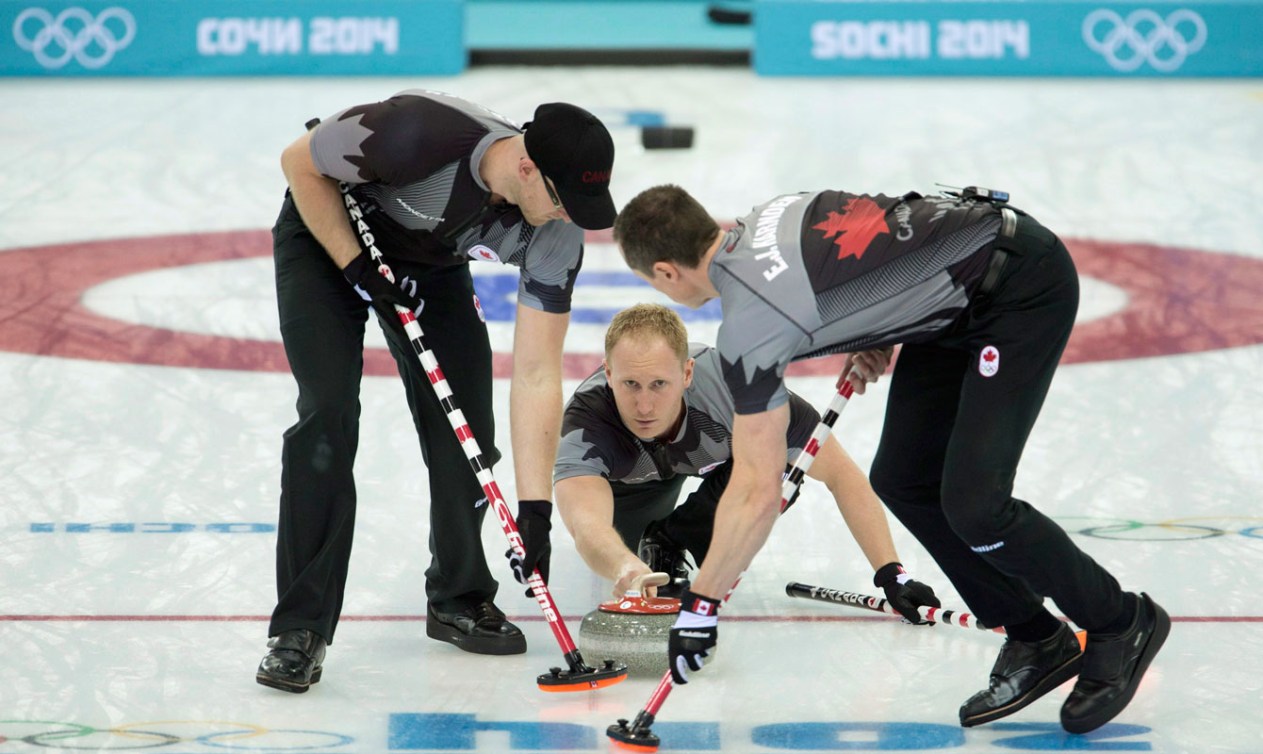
(989, 361)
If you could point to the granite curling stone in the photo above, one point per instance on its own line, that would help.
(633, 631)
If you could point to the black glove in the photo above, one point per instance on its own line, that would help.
(695, 632)
(904, 594)
(534, 522)
(378, 290)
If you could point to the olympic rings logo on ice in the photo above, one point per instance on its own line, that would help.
(74, 33)
(216, 735)
(1171, 530)
(1145, 37)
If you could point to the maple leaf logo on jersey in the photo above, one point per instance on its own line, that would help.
(860, 221)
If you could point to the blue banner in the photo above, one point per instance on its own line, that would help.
(231, 38)
(987, 38)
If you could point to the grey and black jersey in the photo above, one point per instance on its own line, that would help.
(818, 273)
(596, 442)
(412, 162)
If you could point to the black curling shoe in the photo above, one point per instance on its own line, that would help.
(294, 662)
(663, 555)
(1112, 668)
(481, 629)
(1024, 671)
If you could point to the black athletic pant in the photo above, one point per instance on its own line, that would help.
(322, 325)
(690, 524)
(952, 440)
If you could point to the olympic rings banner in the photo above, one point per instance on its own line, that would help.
(989, 38)
(231, 38)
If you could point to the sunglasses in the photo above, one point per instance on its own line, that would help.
(552, 194)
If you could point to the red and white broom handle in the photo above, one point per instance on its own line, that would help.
(957, 618)
(482, 471)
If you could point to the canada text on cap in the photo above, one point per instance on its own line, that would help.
(573, 149)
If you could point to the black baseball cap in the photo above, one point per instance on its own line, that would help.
(573, 149)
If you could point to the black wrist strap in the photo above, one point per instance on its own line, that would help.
(887, 573)
(355, 269)
(537, 508)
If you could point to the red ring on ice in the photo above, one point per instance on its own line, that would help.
(1179, 301)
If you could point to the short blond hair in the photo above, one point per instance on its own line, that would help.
(647, 320)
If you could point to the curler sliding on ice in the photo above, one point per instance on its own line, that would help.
(637, 735)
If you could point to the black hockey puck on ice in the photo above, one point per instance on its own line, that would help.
(666, 137)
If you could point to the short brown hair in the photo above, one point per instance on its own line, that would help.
(647, 320)
(664, 224)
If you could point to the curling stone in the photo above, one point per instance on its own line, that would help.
(632, 630)
(666, 137)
